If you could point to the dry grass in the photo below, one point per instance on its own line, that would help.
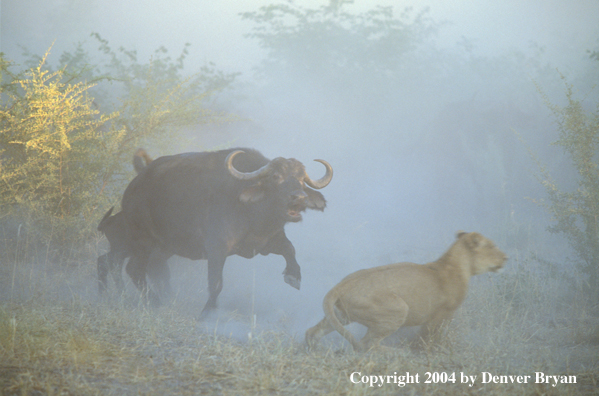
(57, 338)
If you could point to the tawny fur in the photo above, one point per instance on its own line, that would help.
(406, 294)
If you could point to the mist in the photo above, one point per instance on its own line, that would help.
(430, 151)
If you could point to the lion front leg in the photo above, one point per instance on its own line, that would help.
(432, 331)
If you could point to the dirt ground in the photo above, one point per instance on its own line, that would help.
(521, 332)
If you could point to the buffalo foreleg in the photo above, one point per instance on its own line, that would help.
(216, 263)
(279, 244)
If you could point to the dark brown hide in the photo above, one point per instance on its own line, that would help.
(192, 205)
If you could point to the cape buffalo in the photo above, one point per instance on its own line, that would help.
(212, 205)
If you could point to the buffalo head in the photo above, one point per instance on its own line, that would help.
(286, 179)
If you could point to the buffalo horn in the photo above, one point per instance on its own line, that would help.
(325, 180)
(242, 175)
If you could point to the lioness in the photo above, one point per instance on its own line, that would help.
(406, 294)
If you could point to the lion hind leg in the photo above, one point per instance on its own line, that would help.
(372, 339)
(314, 334)
(337, 317)
(388, 321)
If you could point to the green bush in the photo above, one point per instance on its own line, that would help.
(51, 152)
(67, 140)
(576, 213)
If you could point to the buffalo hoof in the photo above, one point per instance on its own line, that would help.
(208, 311)
(208, 315)
(292, 281)
(154, 300)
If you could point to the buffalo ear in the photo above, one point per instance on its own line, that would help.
(252, 194)
(315, 200)
(460, 234)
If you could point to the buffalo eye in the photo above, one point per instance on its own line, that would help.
(277, 178)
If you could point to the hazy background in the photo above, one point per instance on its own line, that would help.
(430, 150)
(216, 31)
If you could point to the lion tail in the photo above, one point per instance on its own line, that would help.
(328, 306)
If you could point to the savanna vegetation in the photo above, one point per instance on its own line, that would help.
(67, 133)
(68, 129)
(576, 211)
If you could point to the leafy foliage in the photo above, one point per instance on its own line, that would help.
(48, 144)
(341, 48)
(576, 213)
(67, 135)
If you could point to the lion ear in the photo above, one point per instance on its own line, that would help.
(475, 239)
(460, 234)
(471, 239)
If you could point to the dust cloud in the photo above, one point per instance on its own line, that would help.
(422, 146)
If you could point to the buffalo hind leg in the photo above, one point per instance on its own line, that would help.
(159, 273)
(136, 269)
(116, 271)
(111, 262)
(103, 268)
